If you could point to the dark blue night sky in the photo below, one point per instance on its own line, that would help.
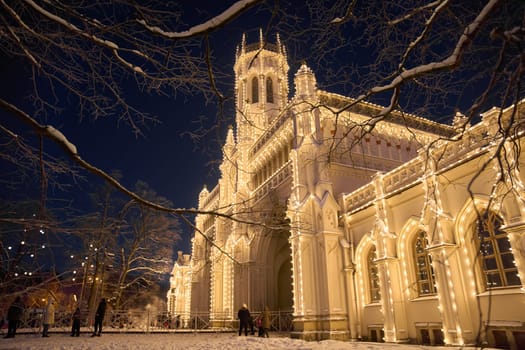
(164, 157)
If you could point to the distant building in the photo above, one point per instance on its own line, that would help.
(369, 230)
(179, 294)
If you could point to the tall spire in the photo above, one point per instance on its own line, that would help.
(261, 38)
(243, 44)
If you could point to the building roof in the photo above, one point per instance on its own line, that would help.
(398, 117)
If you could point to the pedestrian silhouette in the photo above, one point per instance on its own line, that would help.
(99, 317)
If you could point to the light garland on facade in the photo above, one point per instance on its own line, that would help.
(298, 282)
(404, 258)
(359, 267)
(263, 134)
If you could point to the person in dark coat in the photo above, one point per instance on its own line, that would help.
(75, 328)
(99, 317)
(14, 315)
(244, 319)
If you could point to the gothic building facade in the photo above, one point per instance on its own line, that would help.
(398, 230)
(179, 294)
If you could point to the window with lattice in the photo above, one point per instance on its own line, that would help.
(373, 276)
(497, 260)
(423, 262)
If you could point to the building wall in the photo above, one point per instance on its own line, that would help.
(180, 292)
(324, 210)
(441, 202)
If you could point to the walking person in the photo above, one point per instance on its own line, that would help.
(99, 317)
(266, 322)
(75, 328)
(49, 317)
(14, 315)
(244, 319)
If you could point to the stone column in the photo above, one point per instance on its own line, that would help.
(351, 296)
(454, 307)
(393, 308)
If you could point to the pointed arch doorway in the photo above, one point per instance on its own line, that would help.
(278, 262)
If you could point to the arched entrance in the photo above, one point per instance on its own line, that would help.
(284, 286)
(279, 260)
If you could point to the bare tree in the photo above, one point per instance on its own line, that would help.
(144, 252)
(26, 245)
(96, 57)
(122, 246)
(86, 55)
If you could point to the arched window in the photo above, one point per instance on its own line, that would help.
(497, 260)
(423, 261)
(269, 90)
(373, 276)
(255, 90)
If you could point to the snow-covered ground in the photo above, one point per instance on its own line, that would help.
(183, 341)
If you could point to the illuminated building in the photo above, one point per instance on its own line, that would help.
(368, 229)
(179, 294)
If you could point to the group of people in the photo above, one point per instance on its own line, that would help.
(263, 322)
(15, 313)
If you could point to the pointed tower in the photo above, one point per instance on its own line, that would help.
(261, 77)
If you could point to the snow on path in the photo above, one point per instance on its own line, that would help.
(178, 341)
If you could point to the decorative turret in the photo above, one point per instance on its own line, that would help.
(203, 195)
(230, 142)
(460, 122)
(305, 83)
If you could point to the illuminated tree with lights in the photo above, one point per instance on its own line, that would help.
(26, 243)
(125, 246)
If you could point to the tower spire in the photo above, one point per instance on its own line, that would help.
(261, 38)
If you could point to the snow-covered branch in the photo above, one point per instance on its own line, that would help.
(109, 44)
(416, 11)
(71, 150)
(426, 29)
(449, 62)
(213, 23)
